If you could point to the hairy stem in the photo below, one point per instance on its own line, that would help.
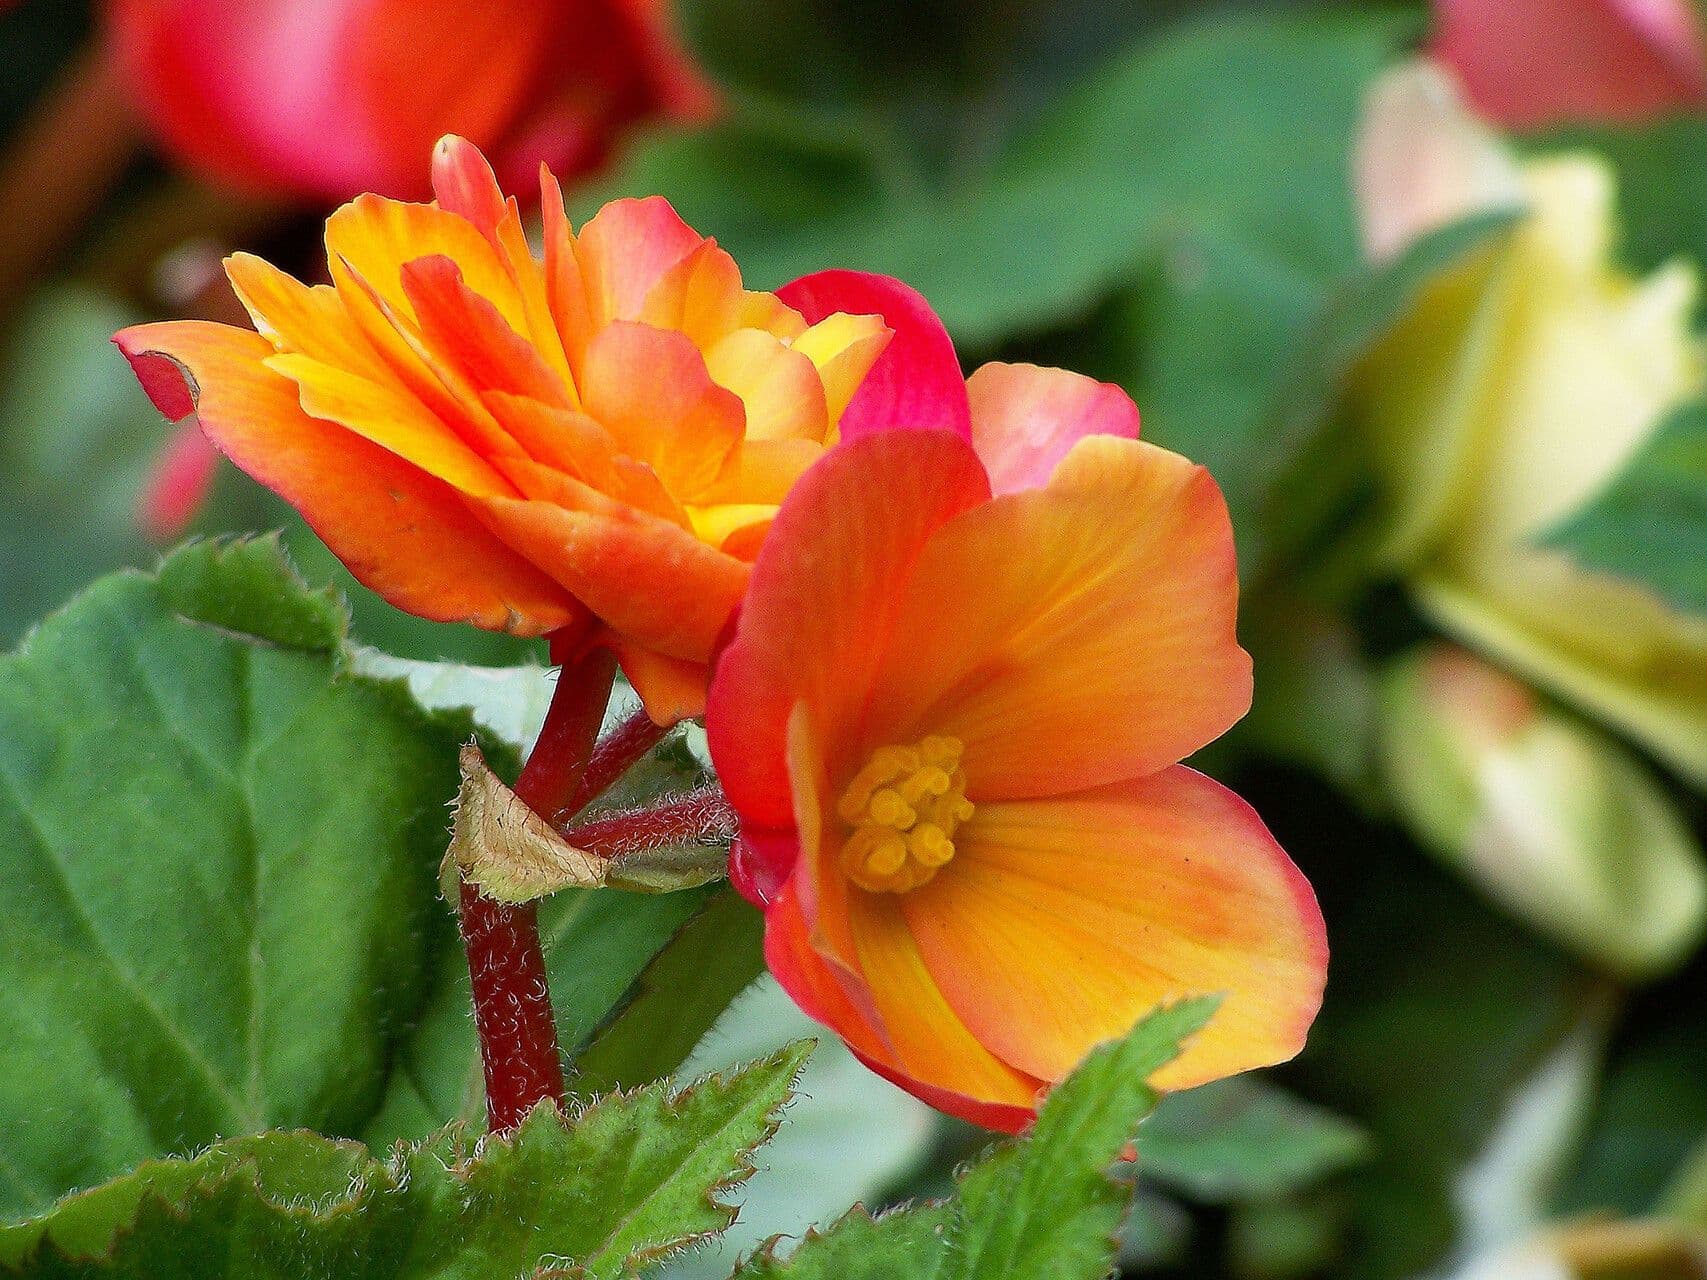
(700, 817)
(512, 1002)
(612, 757)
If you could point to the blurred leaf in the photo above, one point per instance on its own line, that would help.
(628, 1180)
(1650, 1114)
(678, 997)
(1051, 221)
(1650, 522)
(848, 1134)
(1315, 694)
(1662, 185)
(1043, 1208)
(1438, 1007)
(216, 869)
(1242, 1139)
(1238, 356)
(1282, 1239)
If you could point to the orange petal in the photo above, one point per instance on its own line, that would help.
(762, 471)
(374, 237)
(565, 289)
(626, 249)
(650, 389)
(780, 387)
(391, 419)
(1061, 922)
(464, 184)
(302, 318)
(701, 296)
(1073, 635)
(463, 328)
(931, 1042)
(670, 689)
(1026, 419)
(647, 579)
(401, 532)
(821, 603)
(768, 312)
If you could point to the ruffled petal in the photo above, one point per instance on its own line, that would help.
(916, 382)
(1025, 420)
(650, 389)
(599, 549)
(780, 387)
(821, 602)
(1074, 635)
(1061, 922)
(401, 532)
(625, 250)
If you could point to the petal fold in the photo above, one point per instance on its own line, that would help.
(1025, 419)
(916, 383)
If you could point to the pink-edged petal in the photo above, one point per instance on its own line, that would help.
(917, 382)
(1061, 922)
(625, 250)
(1025, 419)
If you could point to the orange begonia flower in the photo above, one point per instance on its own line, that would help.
(952, 724)
(596, 442)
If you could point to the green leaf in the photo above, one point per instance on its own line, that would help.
(1043, 1208)
(1242, 1139)
(215, 870)
(850, 1133)
(1650, 522)
(681, 993)
(1237, 128)
(630, 1179)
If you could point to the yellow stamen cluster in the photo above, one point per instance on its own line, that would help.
(904, 807)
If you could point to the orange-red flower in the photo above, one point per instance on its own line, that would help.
(335, 97)
(951, 717)
(593, 443)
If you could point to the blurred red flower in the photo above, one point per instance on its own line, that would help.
(330, 98)
(1532, 63)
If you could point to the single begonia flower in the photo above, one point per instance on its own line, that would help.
(328, 98)
(1530, 64)
(951, 718)
(597, 441)
(1513, 390)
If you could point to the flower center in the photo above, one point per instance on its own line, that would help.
(904, 807)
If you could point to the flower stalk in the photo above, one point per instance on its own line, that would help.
(506, 966)
(700, 817)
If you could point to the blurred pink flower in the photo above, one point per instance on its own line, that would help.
(1528, 64)
(330, 98)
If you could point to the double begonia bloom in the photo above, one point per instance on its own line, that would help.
(328, 98)
(951, 717)
(592, 444)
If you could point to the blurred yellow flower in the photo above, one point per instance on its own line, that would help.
(1511, 394)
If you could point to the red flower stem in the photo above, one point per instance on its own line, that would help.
(701, 817)
(615, 753)
(512, 1002)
